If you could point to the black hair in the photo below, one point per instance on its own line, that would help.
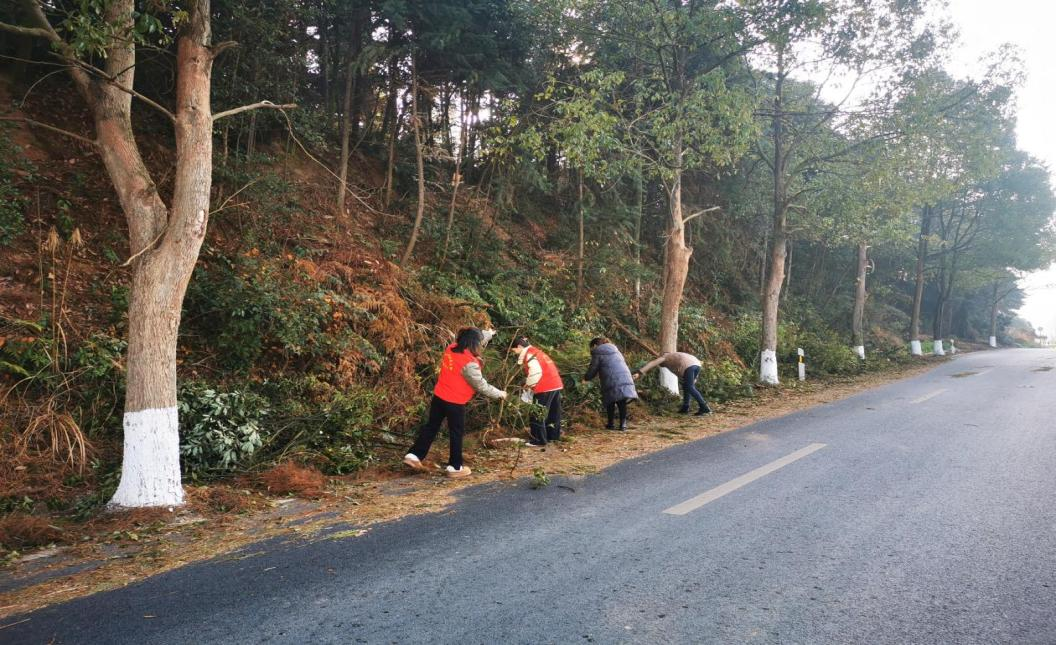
(469, 338)
(520, 341)
(600, 340)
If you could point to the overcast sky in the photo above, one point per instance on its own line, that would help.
(1029, 24)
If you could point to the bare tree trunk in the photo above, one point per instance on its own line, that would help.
(251, 137)
(858, 319)
(771, 296)
(993, 317)
(788, 272)
(390, 168)
(918, 294)
(582, 246)
(640, 204)
(417, 127)
(346, 133)
(456, 178)
(939, 312)
(676, 268)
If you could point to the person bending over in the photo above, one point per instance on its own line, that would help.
(459, 379)
(617, 386)
(687, 368)
(542, 379)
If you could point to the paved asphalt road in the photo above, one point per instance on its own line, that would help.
(928, 516)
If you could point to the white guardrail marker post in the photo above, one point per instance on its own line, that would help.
(802, 365)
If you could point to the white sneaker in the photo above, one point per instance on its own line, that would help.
(413, 461)
(464, 471)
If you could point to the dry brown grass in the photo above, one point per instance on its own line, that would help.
(219, 499)
(20, 531)
(55, 436)
(290, 478)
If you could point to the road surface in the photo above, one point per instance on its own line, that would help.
(923, 511)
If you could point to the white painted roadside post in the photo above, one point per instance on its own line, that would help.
(802, 365)
(953, 348)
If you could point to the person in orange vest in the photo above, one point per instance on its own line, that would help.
(543, 380)
(459, 379)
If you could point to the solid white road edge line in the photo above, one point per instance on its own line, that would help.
(694, 503)
(928, 396)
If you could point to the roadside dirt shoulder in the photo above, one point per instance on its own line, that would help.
(125, 549)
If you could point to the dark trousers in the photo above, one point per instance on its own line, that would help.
(439, 410)
(547, 427)
(611, 409)
(689, 389)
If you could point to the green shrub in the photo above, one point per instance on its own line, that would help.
(246, 307)
(724, 381)
(13, 202)
(98, 382)
(827, 353)
(338, 428)
(107, 476)
(219, 431)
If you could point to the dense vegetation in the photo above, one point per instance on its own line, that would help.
(736, 179)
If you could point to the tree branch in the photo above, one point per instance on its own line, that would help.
(49, 127)
(26, 31)
(95, 71)
(220, 48)
(699, 213)
(253, 106)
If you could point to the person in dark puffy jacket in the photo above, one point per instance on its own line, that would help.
(617, 385)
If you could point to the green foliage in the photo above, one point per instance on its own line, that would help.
(219, 431)
(335, 428)
(27, 355)
(107, 477)
(826, 353)
(724, 381)
(539, 478)
(248, 307)
(98, 381)
(119, 295)
(13, 201)
(16, 503)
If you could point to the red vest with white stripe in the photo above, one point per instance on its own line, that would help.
(451, 386)
(551, 379)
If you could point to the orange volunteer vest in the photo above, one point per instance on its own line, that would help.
(451, 386)
(551, 379)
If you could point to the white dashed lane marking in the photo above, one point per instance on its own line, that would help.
(706, 497)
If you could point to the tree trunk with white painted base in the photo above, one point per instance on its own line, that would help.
(150, 472)
(676, 268)
(918, 293)
(938, 350)
(771, 296)
(771, 299)
(858, 319)
(164, 242)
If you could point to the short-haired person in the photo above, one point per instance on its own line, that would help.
(617, 386)
(687, 368)
(460, 377)
(543, 379)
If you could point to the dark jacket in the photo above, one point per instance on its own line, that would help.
(607, 363)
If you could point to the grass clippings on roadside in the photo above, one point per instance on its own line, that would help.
(118, 549)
